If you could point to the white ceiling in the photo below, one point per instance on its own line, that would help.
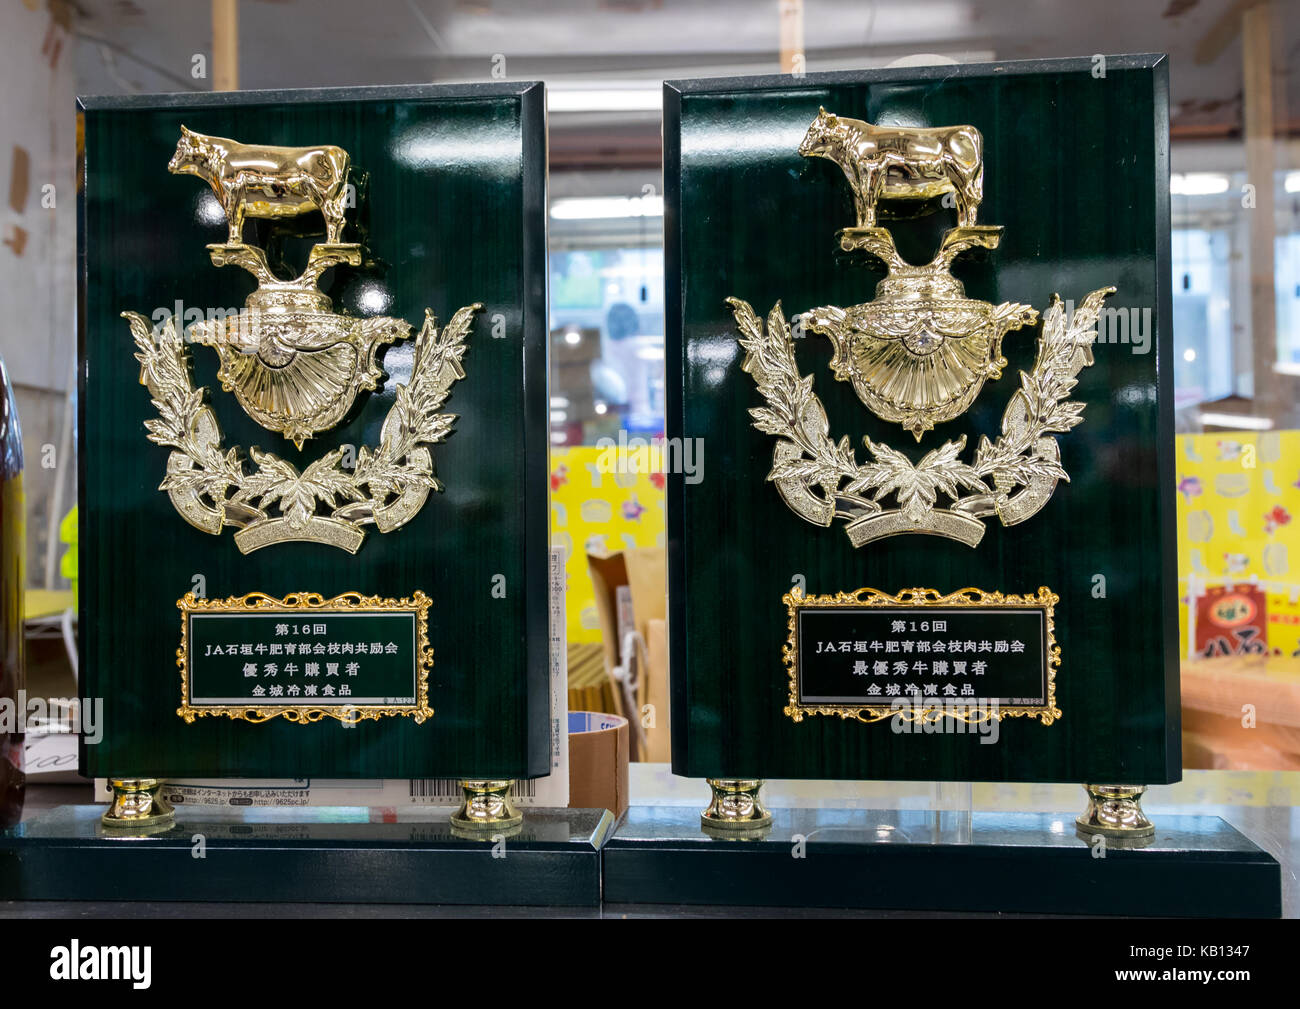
(147, 45)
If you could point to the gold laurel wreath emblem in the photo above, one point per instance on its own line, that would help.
(1024, 455)
(211, 489)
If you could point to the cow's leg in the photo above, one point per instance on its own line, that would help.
(329, 199)
(862, 204)
(961, 196)
(976, 191)
(857, 186)
(235, 214)
(331, 208)
(874, 185)
(969, 207)
(967, 193)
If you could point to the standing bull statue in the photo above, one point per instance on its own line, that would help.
(267, 181)
(901, 163)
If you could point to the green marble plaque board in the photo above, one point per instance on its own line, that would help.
(1076, 171)
(449, 210)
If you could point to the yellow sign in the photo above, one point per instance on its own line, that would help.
(599, 508)
(1238, 496)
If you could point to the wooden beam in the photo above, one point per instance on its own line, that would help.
(1257, 129)
(225, 45)
(1221, 33)
(791, 28)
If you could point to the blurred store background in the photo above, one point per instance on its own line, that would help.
(1235, 127)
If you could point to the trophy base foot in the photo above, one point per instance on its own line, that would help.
(486, 806)
(736, 806)
(138, 805)
(1115, 811)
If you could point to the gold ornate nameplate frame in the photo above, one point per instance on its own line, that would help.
(970, 655)
(304, 657)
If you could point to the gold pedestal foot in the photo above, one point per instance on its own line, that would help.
(1115, 811)
(735, 806)
(137, 804)
(486, 806)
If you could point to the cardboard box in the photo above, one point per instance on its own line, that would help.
(598, 751)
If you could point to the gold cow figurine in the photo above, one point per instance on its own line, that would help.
(901, 163)
(267, 181)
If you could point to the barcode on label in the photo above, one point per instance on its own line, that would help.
(449, 788)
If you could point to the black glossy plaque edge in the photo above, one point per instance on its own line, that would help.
(382, 92)
(83, 865)
(536, 342)
(536, 462)
(1018, 872)
(674, 349)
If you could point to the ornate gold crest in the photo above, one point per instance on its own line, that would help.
(918, 354)
(296, 367)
